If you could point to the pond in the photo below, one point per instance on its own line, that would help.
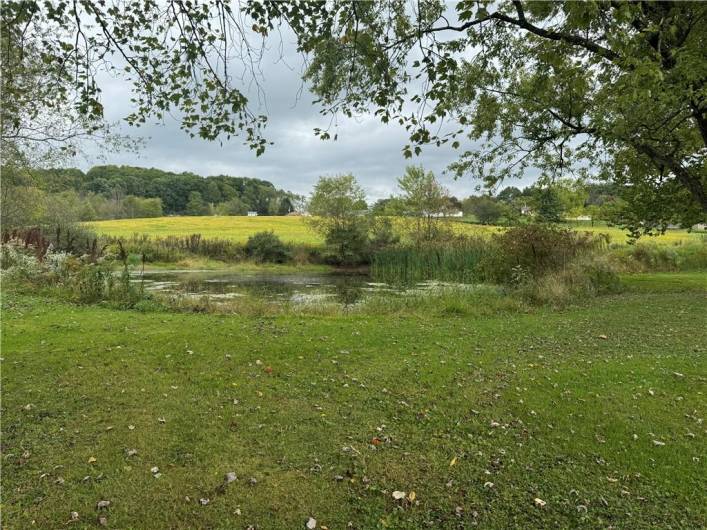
(298, 288)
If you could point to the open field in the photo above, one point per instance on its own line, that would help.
(595, 410)
(295, 229)
(236, 228)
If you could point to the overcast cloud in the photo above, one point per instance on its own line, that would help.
(372, 151)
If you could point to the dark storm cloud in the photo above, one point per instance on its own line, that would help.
(365, 147)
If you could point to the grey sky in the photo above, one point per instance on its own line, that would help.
(365, 147)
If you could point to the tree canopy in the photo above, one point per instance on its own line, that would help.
(614, 89)
(339, 207)
(608, 88)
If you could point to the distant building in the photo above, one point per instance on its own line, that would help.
(252, 214)
(457, 213)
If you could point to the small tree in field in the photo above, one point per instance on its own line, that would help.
(338, 206)
(486, 209)
(425, 201)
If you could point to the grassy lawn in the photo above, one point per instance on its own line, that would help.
(665, 281)
(595, 411)
(295, 229)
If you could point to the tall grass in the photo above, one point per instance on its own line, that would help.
(544, 263)
(173, 249)
(450, 262)
(650, 256)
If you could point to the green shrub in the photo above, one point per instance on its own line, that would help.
(19, 262)
(347, 244)
(533, 251)
(77, 278)
(266, 247)
(92, 283)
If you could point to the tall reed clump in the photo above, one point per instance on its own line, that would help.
(542, 263)
(456, 261)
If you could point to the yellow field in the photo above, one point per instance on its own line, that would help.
(236, 228)
(296, 230)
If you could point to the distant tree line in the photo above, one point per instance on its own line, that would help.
(543, 201)
(113, 192)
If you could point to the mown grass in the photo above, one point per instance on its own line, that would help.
(296, 230)
(478, 416)
(665, 282)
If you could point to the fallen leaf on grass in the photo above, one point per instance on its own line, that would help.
(102, 505)
(91, 459)
(311, 523)
(453, 462)
(398, 495)
(658, 442)
(539, 502)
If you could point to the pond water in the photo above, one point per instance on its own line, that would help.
(301, 288)
(298, 288)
